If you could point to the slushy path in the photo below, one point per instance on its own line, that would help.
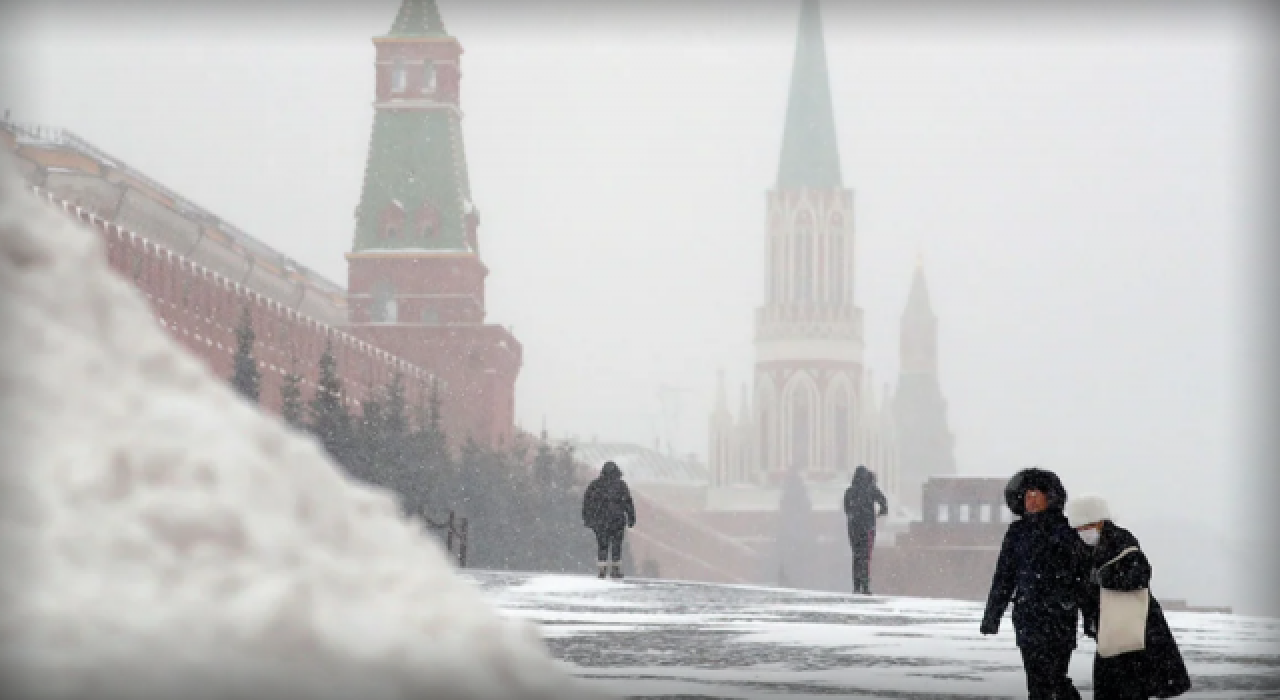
(646, 638)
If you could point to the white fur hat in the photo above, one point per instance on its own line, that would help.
(1087, 509)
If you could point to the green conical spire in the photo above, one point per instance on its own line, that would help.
(418, 18)
(810, 154)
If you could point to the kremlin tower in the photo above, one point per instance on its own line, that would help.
(416, 281)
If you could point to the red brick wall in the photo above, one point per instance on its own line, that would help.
(202, 309)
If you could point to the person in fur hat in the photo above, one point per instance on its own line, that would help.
(1118, 564)
(1043, 571)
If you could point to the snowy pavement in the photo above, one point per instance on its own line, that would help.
(648, 638)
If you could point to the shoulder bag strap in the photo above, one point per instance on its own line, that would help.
(1118, 557)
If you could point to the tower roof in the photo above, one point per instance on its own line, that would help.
(722, 400)
(918, 304)
(418, 18)
(810, 153)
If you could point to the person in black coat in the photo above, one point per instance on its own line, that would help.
(1157, 671)
(607, 509)
(860, 501)
(1043, 570)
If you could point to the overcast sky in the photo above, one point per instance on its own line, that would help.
(1076, 184)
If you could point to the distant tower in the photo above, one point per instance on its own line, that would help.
(925, 441)
(722, 450)
(808, 338)
(810, 410)
(416, 283)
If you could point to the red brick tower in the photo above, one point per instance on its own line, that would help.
(415, 278)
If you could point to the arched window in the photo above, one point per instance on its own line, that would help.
(393, 221)
(841, 420)
(766, 432)
(837, 269)
(428, 76)
(399, 78)
(835, 289)
(428, 220)
(804, 258)
(801, 428)
(382, 308)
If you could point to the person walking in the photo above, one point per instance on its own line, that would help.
(1137, 656)
(607, 509)
(1043, 569)
(860, 501)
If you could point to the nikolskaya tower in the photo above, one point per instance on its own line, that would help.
(813, 408)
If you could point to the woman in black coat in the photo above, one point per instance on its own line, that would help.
(1042, 569)
(1157, 671)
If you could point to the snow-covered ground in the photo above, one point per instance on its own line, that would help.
(648, 638)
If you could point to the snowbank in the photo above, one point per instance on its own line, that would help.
(163, 539)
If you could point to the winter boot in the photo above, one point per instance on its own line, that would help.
(604, 568)
(617, 571)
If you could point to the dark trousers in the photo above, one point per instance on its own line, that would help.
(609, 541)
(861, 540)
(1047, 677)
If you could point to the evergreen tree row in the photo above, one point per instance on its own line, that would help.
(523, 504)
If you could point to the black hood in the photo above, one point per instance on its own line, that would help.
(1037, 479)
(862, 477)
(611, 471)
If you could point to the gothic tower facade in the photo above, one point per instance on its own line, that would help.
(920, 411)
(813, 409)
(416, 282)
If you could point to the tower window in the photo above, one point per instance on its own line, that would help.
(841, 432)
(428, 220)
(963, 513)
(944, 513)
(399, 79)
(428, 76)
(800, 429)
(984, 513)
(383, 306)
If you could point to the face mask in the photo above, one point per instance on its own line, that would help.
(1090, 537)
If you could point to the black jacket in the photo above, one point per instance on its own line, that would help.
(1043, 569)
(607, 505)
(1158, 670)
(860, 501)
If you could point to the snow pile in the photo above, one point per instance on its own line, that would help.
(162, 539)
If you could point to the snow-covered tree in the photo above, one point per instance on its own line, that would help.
(291, 406)
(245, 377)
(329, 420)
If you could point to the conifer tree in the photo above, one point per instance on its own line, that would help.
(397, 419)
(329, 419)
(432, 439)
(246, 378)
(366, 460)
(395, 445)
(291, 407)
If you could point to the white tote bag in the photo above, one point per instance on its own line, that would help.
(1122, 617)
